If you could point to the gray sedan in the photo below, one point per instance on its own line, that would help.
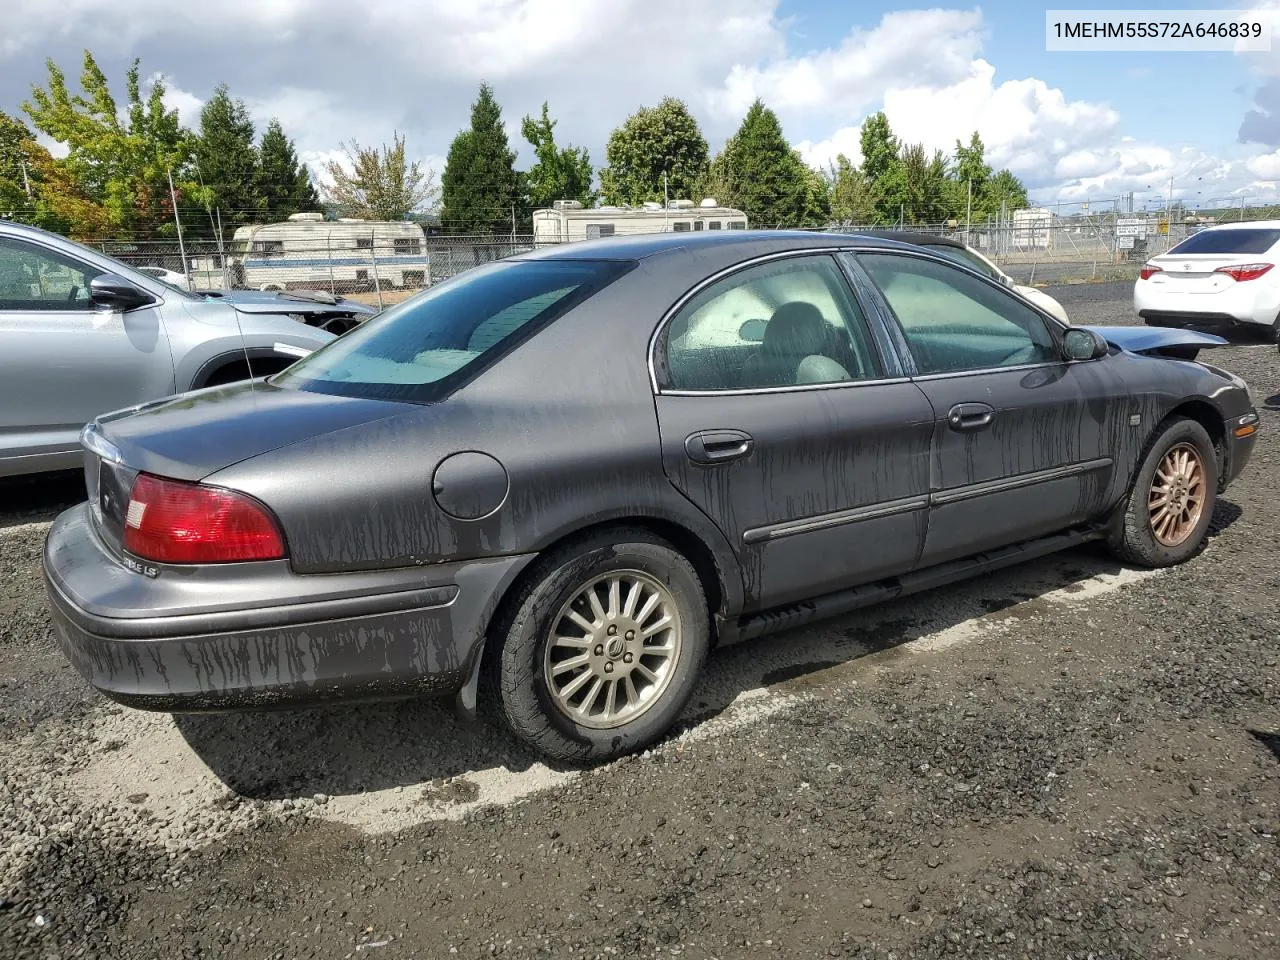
(560, 480)
(82, 333)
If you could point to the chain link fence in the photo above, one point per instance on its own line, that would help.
(384, 263)
(370, 266)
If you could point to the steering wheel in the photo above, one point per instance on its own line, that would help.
(72, 295)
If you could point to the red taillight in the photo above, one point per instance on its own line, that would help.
(1148, 271)
(1245, 271)
(172, 521)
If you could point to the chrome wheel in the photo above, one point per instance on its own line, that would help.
(1177, 495)
(613, 649)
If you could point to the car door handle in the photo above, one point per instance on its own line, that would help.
(717, 446)
(971, 416)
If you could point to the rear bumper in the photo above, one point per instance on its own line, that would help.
(420, 634)
(1219, 323)
(1254, 303)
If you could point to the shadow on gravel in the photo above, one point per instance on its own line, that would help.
(39, 497)
(1269, 740)
(344, 749)
(1272, 402)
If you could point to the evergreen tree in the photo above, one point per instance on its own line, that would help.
(762, 175)
(228, 161)
(283, 180)
(652, 142)
(481, 186)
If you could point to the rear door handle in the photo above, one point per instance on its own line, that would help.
(717, 446)
(971, 416)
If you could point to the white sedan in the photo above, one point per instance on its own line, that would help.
(171, 277)
(1219, 279)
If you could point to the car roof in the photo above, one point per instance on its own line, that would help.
(916, 238)
(1246, 225)
(746, 242)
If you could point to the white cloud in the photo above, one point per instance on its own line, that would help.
(175, 98)
(331, 71)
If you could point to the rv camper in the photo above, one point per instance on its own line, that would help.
(309, 252)
(568, 220)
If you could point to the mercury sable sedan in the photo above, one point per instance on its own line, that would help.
(561, 479)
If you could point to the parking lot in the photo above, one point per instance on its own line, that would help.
(1067, 759)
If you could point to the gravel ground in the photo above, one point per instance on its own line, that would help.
(1065, 760)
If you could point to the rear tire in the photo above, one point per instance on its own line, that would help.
(582, 679)
(1167, 511)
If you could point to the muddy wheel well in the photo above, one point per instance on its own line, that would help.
(683, 540)
(235, 369)
(1207, 416)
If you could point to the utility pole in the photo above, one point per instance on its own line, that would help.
(968, 212)
(25, 182)
(222, 255)
(513, 223)
(177, 221)
(666, 204)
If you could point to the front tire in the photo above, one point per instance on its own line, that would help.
(1167, 512)
(604, 646)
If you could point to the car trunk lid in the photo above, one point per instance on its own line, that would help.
(234, 422)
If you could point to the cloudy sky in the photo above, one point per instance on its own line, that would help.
(1074, 126)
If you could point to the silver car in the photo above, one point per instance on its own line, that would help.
(82, 333)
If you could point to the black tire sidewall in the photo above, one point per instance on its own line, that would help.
(526, 701)
(1139, 537)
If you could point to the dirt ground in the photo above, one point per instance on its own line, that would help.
(1066, 760)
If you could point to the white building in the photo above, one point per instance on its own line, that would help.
(309, 252)
(568, 220)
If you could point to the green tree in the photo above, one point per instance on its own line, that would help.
(924, 178)
(283, 180)
(228, 161)
(762, 175)
(879, 147)
(121, 161)
(851, 197)
(654, 141)
(1004, 191)
(970, 165)
(35, 189)
(481, 186)
(380, 184)
(817, 197)
(560, 173)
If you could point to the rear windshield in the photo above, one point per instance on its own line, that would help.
(1236, 240)
(425, 347)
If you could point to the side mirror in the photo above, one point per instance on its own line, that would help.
(1079, 343)
(117, 293)
(753, 330)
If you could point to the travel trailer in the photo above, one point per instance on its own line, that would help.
(308, 252)
(568, 220)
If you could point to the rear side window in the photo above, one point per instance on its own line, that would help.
(423, 348)
(1234, 240)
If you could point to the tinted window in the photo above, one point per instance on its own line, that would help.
(597, 230)
(785, 323)
(680, 226)
(1233, 240)
(954, 321)
(421, 349)
(33, 278)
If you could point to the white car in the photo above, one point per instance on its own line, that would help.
(955, 250)
(1218, 279)
(171, 277)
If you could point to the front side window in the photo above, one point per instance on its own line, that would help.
(421, 349)
(789, 322)
(954, 321)
(33, 278)
(967, 257)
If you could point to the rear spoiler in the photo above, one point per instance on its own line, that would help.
(1160, 341)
